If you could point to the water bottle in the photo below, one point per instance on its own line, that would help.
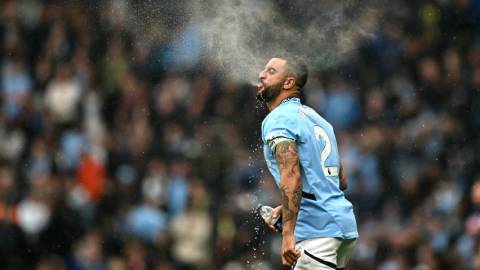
(266, 212)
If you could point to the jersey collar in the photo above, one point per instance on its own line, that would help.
(290, 99)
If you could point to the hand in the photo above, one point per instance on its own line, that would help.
(290, 253)
(277, 211)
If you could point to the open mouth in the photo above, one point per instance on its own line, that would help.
(260, 87)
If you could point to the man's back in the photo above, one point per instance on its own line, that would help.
(324, 211)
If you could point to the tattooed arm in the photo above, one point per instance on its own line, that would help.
(290, 183)
(291, 188)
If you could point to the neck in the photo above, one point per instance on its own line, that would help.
(276, 102)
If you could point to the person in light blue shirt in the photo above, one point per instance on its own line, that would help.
(300, 148)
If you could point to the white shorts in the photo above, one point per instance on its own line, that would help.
(324, 253)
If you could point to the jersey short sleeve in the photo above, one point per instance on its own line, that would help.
(278, 129)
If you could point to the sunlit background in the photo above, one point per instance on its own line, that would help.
(130, 132)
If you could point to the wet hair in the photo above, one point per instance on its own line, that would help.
(296, 67)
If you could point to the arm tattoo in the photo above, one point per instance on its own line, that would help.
(296, 198)
(289, 166)
(287, 213)
(286, 154)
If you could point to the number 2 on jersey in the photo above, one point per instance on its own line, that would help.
(327, 149)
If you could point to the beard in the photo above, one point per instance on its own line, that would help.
(269, 93)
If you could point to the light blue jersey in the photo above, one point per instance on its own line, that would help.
(324, 210)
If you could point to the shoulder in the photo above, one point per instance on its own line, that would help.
(280, 123)
(285, 116)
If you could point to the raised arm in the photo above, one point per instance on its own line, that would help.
(291, 189)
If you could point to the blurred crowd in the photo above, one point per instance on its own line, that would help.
(123, 147)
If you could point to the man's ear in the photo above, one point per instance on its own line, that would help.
(289, 83)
